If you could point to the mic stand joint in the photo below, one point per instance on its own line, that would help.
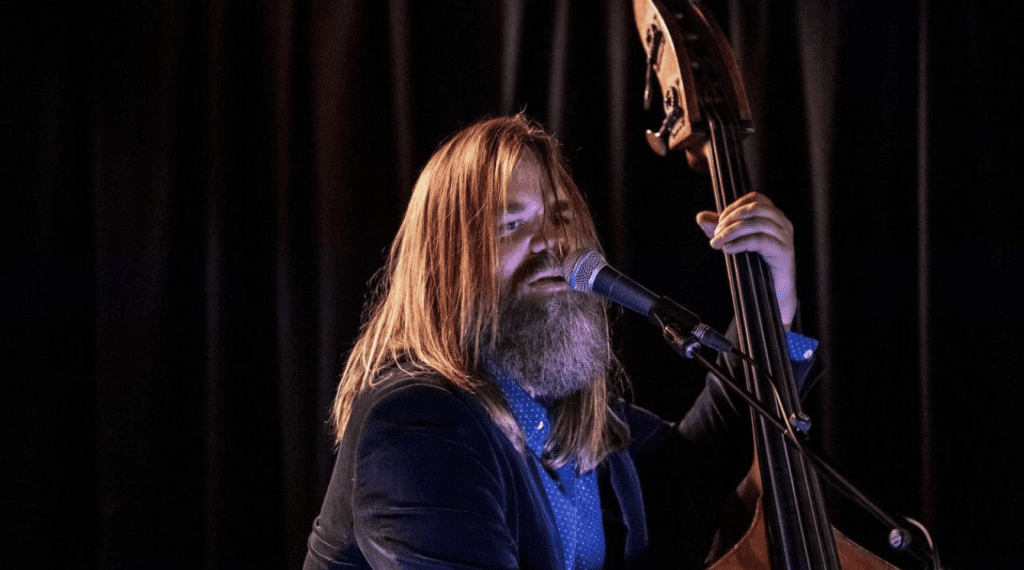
(684, 345)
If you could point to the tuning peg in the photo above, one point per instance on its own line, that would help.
(656, 140)
(659, 141)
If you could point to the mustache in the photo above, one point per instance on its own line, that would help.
(533, 266)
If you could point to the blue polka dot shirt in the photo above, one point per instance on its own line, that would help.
(572, 496)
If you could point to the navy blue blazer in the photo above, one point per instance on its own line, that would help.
(425, 479)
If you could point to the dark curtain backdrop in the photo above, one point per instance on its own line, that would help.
(199, 192)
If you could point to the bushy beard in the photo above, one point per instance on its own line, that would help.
(551, 344)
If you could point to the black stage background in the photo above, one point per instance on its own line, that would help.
(198, 194)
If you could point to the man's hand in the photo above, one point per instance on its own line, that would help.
(753, 223)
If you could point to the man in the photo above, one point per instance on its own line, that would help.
(476, 418)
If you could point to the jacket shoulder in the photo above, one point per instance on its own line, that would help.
(410, 396)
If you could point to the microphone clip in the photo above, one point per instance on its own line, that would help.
(667, 314)
(684, 344)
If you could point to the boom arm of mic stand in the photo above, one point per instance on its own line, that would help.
(899, 537)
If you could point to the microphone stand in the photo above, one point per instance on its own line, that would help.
(900, 538)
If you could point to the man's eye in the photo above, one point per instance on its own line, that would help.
(559, 220)
(509, 227)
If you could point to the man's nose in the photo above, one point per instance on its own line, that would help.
(548, 238)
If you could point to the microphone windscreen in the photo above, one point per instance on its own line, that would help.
(580, 268)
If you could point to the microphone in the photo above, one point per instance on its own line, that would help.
(587, 271)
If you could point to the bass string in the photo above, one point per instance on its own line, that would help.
(756, 317)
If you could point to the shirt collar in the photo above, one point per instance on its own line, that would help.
(530, 414)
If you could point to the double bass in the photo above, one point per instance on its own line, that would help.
(706, 115)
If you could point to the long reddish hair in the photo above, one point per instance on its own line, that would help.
(437, 297)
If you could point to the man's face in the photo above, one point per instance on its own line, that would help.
(528, 230)
(551, 340)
